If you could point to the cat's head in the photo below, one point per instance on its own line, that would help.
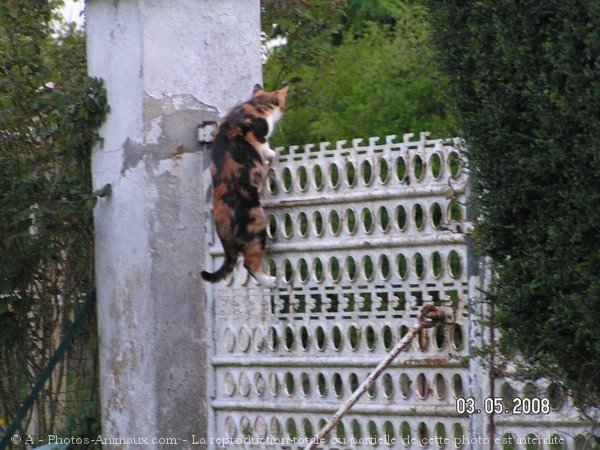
(270, 103)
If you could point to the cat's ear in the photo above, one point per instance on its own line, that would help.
(281, 95)
(257, 88)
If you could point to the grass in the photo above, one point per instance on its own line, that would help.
(303, 178)
(383, 171)
(351, 268)
(368, 267)
(318, 177)
(384, 218)
(402, 265)
(455, 211)
(419, 266)
(367, 217)
(334, 222)
(418, 167)
(354, 337)
(436, 215)
(334, 268)
(303, 222)
(350, 174)
(405, 431)
(351, 221)
(454, 263)
(435, 162)
(367, 172)
(436, 264)
(401, 217)
(303, 269)
(457, 337)
(384, 265)
(318, 219)
(419, 217)
(401, 169)
(334, 175)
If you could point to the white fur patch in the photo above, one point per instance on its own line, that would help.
(266, 280)
(267, 153)
(272, 120)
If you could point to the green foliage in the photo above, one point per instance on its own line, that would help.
(525, 83)
(379, 79)
(49, 111)
(308, 28)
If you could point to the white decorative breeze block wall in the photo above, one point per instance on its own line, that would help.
(360, 236)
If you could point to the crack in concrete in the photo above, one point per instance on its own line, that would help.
(170, 130)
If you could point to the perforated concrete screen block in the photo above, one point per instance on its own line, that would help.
(360, 235)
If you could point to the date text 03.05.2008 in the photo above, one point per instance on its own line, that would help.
(497, 405)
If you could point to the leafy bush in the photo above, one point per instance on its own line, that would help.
(525, 85)
(368, 78)
(49, 111)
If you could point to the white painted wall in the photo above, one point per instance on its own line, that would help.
(167, 65)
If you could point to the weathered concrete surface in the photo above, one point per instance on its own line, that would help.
(168, 65)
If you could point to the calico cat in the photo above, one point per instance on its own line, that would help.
(239, 152)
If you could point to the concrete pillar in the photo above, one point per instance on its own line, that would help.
(168, 65)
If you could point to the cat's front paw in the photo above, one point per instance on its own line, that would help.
(269, 155)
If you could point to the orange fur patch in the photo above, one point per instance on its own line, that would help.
(222, 214)
(259, 222)
(253, 256)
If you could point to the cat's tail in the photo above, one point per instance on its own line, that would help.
(226, 269)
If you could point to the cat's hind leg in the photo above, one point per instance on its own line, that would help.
(254, 253)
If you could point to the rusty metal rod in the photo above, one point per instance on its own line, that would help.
(428, 317)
